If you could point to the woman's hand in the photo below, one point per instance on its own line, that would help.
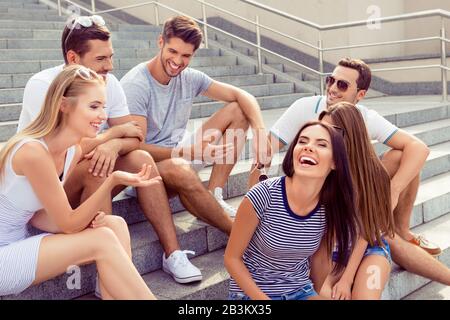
(342, 290)
(99, 220)
(140, 179)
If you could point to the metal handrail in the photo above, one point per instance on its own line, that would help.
(406, 16)
(422, 14)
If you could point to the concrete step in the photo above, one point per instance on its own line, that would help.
(206, 109)
(204, 63)
(403, 283)
(50, 16)
(431, 291)
(52, 44)
(259, 90)
(12, 11)
(15, 95)
(55, 54)
(18, 4)
(21, 1)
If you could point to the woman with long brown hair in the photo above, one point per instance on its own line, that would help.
(34, 164)
(282, 222)
(369, 264)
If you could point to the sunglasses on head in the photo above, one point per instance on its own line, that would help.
(84, 73)
(340, 130)
(85, 22)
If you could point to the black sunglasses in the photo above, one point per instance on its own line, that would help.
(262, 172)
(341, 84)
(340, 130)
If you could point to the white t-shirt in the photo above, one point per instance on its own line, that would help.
(36, 90)
(309, 108)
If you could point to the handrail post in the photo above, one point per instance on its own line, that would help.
(443, 63)
(320, 45)
(156, 14)
(258, 43)
(59, 8)
(93, 6)
(205, 25)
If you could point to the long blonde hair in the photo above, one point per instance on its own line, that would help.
(70, 83)
(370, 178)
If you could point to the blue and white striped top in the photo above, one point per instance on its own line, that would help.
(278, 254)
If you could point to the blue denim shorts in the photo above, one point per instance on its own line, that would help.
(375, 250)
(304, 293)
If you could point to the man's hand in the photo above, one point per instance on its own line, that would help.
(103, 158)
(262, 147)
(130, 130)
(207, 150)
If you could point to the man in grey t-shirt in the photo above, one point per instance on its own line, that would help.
(160, 94)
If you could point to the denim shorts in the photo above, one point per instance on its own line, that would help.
(375, 250)
(304, 293)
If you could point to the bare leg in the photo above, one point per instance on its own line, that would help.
(119, 226)
(403, 211)
(418, 261)
(178, 175)
(152, 200)
(232, 123)
(371, 278)
(120, 277)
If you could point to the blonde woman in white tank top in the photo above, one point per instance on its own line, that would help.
(33, 165)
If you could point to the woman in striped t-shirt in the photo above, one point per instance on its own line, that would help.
(282, 222)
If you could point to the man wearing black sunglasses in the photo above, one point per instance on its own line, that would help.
(86, 41)
(349, 82)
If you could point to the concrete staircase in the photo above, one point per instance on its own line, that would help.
(29, 42)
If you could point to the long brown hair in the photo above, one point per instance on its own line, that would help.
(336, 195)
(70, 83)
(370, 178)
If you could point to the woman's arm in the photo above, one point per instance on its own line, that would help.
(44, 180)
(342, 289)
(243, 229)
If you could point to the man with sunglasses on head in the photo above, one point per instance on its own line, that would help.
(87, 41)
(349, 82)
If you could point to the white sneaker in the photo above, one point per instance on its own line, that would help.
(180, 268)
(230, 210)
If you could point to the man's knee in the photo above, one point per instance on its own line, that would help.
(238, 115)
(391, 161)
(134, 160)
(83, 176)
(178, 173)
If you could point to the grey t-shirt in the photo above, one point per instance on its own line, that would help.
(167, 107)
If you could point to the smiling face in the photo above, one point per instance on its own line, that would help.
(88, 113)
(313, 154)
(175, 56)
(98, 58)
(352, 94)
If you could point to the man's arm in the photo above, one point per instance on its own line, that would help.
(158, 153)
(228, 93)
(250, 107)
(414, 155)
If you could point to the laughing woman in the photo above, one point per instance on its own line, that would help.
(33, 165)
(281, 222)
